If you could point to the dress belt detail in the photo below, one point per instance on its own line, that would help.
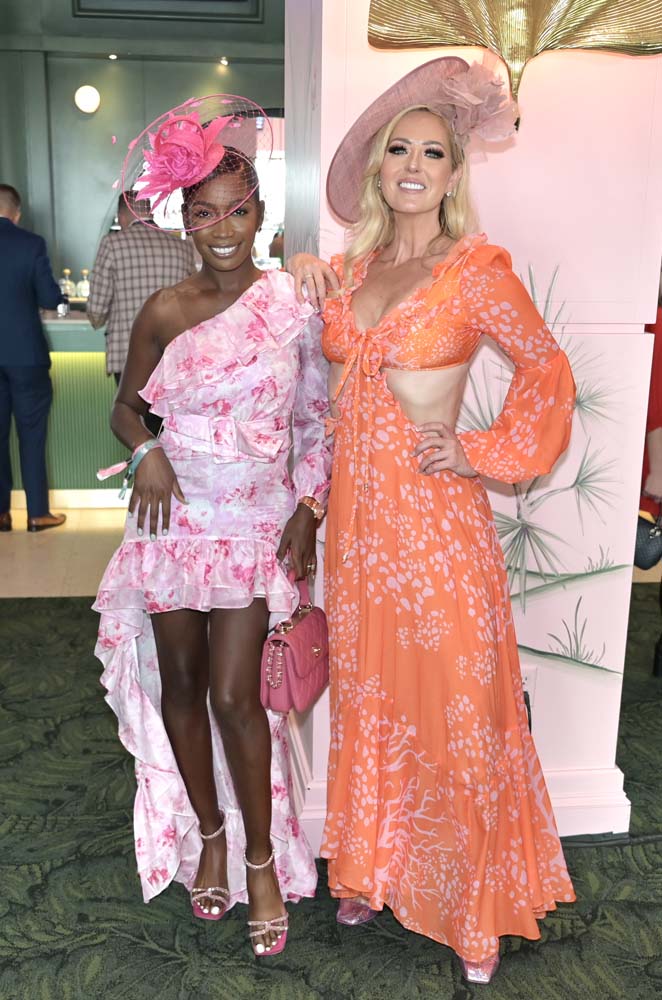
(230, 440)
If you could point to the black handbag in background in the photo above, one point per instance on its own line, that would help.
(648, 546)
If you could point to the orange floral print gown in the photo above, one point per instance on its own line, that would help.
(437, 805)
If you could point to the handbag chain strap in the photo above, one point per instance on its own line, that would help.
(656, 529)
(275, 653)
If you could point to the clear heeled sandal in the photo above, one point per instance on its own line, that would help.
(480, 972)
(353, 911)
(278, 925)
(218, 896)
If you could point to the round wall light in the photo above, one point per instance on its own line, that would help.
(87, 99)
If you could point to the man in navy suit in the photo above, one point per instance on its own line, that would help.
(26, 284)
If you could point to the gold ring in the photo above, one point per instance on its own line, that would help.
(308, 276)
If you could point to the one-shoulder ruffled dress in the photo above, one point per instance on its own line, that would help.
(235, 392)
(437, 805)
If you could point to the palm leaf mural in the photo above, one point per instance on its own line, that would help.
(603, 563)
(594, 395)
(593, 401)
(599, 565)
(532, 553)
(591, 482)
(545, 307)
(570, 645)
(590, 485)
(559, 658)
(538, 584)
(479, 412)
(522, 540)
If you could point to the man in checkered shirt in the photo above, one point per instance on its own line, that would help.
(129, 267)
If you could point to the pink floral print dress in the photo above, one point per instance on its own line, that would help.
(233, 391)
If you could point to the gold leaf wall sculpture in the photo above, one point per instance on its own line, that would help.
(518, 30)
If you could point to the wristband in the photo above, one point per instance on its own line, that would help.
(130, 465)
(136, 458)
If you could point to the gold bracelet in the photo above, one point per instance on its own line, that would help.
(312, 504)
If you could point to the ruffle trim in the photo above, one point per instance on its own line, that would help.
(266, 317)
(205, 572)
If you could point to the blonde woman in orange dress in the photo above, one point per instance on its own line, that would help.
(437, 806)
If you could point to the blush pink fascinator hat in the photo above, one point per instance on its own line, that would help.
(181, 150)
(470, 98)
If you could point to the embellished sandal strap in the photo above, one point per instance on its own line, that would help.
(278, 924)
(257, 868)
(215, 893)
(216, 833)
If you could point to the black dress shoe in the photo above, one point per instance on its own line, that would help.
(47, 521)
(5, 522)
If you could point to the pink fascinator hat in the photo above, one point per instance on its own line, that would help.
(173, 159)
(470, 98)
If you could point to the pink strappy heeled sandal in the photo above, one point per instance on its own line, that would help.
(217, 895)
(480, 972)
(278, 924)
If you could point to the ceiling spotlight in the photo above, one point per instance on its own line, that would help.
(112, 56)
(87, 99)
(224, 61)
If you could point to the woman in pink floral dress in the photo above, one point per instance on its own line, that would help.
(230, 361)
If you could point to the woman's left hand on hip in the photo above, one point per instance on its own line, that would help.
(442, 451)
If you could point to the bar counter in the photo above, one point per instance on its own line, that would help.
(79, 436)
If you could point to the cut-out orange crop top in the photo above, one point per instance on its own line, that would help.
(474, 293)
(408, 336)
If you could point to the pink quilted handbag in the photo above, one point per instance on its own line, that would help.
(295, 658)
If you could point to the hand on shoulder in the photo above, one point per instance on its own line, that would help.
(313, 279)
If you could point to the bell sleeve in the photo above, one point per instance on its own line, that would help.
(533, 428)
(312, 450)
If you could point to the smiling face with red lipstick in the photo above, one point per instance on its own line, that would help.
(417, 170)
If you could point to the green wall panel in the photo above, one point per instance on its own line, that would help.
(13, 157)
(49, 20)
(85, 162)
(79, 436)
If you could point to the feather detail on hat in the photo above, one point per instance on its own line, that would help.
(183, 153)
(470, 98)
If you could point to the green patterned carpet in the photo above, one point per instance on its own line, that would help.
(73, 926)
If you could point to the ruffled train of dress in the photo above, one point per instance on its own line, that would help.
(167, 840)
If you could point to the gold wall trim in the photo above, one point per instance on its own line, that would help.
(518, 30)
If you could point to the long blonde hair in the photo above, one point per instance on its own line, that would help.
(375, 227)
